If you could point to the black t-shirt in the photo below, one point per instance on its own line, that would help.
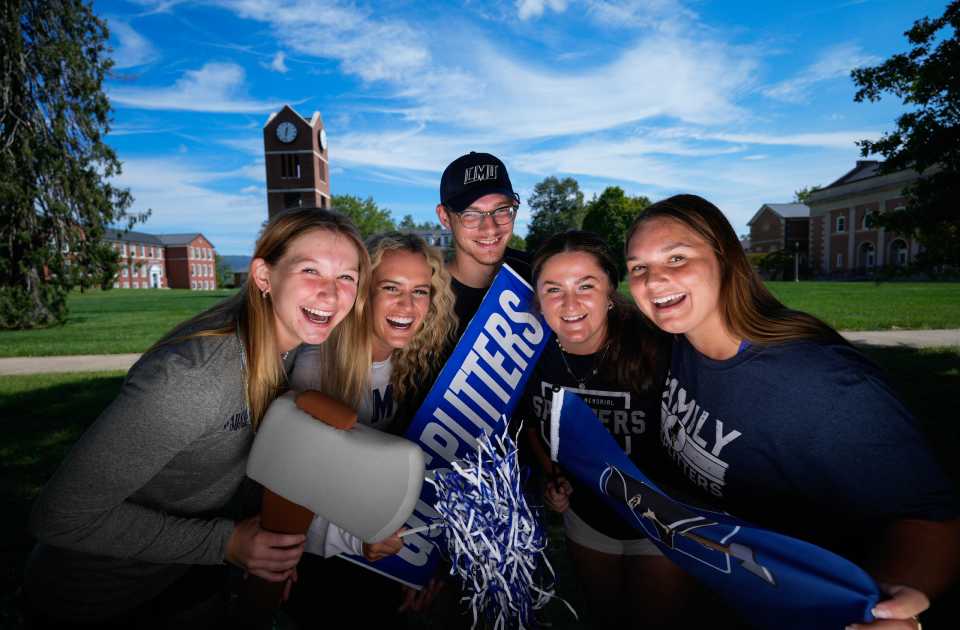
(631, 418)
(469, 298)
(809, 439)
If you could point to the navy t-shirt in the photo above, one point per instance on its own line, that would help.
(809, 439)
(630, 418)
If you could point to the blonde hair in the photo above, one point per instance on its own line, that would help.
(266, 376)
(423, 355)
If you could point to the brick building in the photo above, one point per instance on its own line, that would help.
(142, 260)
(841, 244)
(167, 261)
(295, 151)
(780, 226)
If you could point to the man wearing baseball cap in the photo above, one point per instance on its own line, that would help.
(478, 204)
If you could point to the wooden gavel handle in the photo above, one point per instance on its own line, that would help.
(260, 597)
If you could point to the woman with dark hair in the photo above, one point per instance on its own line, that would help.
(412, 321)
(607, 353)
(131, 527)
(770, 415)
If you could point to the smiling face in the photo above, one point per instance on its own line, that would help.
(485, 244)
(312, 288)
(574, 295)
(399, 299)
(674, 276)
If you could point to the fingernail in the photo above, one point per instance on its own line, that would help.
(881, 613)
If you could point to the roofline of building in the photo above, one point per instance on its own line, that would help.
(768, 207)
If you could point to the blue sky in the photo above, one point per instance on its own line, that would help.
(740, 102)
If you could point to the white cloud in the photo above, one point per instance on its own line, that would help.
(534, 8)
(185, 198)
(638, 13)
(276, 64)
(216, 87)
(756, 157)
(833, 63)
(133, 50)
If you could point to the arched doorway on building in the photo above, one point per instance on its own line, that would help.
(865, 258)
(155, 273)
(898, 252)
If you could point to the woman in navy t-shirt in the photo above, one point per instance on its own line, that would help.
(769, 414)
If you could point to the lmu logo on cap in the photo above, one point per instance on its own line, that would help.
(480, 173)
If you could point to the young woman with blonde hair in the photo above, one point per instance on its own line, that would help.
(131, 526)
(770, 415)
(412, 322)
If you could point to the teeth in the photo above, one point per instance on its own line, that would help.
(400, 320)
(490, 242)
(318, 312)
(668, 298)
(573, 319)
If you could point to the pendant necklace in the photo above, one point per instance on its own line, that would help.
(596, 365)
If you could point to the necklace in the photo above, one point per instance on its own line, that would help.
(243, 371)
(596, 365)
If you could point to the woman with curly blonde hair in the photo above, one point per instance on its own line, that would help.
(412, 322)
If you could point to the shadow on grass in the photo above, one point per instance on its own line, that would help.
(44, 415)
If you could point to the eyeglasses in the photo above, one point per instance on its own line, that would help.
(500, 216)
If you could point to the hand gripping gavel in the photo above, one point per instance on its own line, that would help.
(358, 478)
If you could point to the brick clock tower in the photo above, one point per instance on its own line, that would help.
(296, 158)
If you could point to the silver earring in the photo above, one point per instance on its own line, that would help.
(263, 294)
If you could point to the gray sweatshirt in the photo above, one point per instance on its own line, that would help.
(140, 497)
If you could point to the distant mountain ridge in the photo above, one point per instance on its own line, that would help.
(239, 264)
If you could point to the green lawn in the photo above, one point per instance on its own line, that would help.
(43, 416)
(129, 320)
(870, 306)
(111, 322)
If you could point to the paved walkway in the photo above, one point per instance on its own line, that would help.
(95, 362)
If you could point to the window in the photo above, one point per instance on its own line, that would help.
(143, 251)
(143, 271)
(136, 285)
(291, 199)
(160, 253)
(323, 171)
(135, 269)
(126, 272)
(841, 226)
(289, 166)
(839, 260)
(204, 285)
(194, 285)
(191, 252)
(116, 285)
(123, 250)
(193, 270)
(153, 252)
(160, 272)
(865, 215)
(126, 285)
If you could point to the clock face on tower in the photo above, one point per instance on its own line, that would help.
(323, 140)
(286, 132)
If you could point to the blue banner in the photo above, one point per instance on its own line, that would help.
(770, 580)
(481, 382)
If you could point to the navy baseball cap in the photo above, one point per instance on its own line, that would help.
(472, 176)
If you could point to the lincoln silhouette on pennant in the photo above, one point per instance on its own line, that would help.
(671, 519)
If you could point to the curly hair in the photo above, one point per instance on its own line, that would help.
(423, 356)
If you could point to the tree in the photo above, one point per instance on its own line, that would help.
(557, 206)
(55, 201)
(370, 218)
(518, 242)
(926, 138)
(224, 271)
(609, 215)
(803, 195)
(407, 223)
